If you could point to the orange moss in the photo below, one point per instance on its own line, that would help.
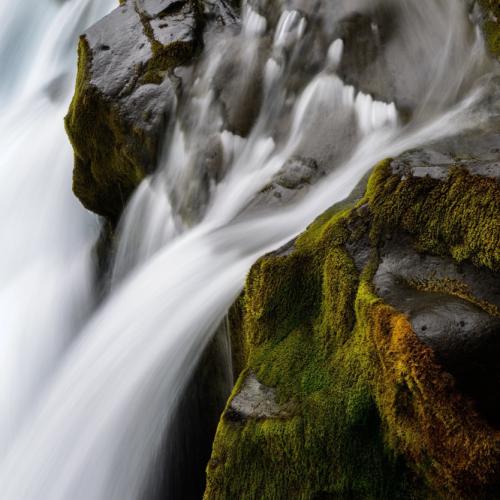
(425, 418)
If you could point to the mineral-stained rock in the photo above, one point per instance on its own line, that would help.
(124, 96)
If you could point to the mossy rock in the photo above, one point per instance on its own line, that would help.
(491, 25)
(124, 96)
(369, 410)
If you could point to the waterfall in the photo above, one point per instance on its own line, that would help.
(45, 269)
(88, 396)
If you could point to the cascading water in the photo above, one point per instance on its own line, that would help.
(189, 234)
(45, 268)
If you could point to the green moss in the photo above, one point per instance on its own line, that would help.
(300, 337)
(459, 217)
(375, 416)
(491, 25)
(105, 174)
(166, 57)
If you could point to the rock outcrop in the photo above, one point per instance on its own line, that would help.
(381, 323)
(125, 93)
(128, 87)
(256, 401)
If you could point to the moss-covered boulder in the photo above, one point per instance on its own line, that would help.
(124, 96)
(372, 341)
(367, 350)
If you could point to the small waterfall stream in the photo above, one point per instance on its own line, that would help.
(88, 396)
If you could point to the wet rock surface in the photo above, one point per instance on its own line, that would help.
(238, 85)
(453, 305)
(255, 401)
(403, 316)
(376, 60)
(159, 7)
(464, 333)
(364, 64)
(127, 88)
(124, 96)
(290, 183)
(476, 151)
(223, 11)
(487, 14)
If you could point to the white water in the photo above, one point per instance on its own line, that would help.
(44, 266)
(92, 431)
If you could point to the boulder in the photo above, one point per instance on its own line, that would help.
(124, 96)
(381, 323)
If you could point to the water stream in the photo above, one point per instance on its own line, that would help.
(45, 276)
(87, 396)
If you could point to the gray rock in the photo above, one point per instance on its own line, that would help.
(256, 401)
(293, 180)
(477, 151)
(222, 11)
(464, 336)
(180, 26)
(153, 8)
(119, 49)
(124, 97)
(238, 84)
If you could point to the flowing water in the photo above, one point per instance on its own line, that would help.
(45, 267)
(88, 397)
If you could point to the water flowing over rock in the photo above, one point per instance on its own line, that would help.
(209, 134)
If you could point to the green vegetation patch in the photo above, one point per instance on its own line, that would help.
(374, 416)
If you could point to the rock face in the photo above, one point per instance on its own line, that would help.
(375, 35)
(124, 96)
(382, 324)
(453, 309)
(187, 447)
(367, 349)
(127, 90)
